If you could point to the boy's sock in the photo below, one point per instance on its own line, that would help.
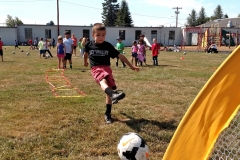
(124, 65)
(117, 64)
(108, 109)
(71, 65)
(109, 91)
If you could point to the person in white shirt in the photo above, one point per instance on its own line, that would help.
(69, 49)
(213, 48)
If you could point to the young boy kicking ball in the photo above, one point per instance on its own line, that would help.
(99, 53)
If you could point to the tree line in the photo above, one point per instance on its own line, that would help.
(115, 14)
(195, 19)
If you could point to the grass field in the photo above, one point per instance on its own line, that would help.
(34, 124)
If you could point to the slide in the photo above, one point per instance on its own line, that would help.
(147, 42)
(209, 114)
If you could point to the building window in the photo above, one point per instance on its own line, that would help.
(122, 34)
(28, 33)
(172, 35)
(153, 34)
(68, 31)
(48, 33)
(137, 34)
(86, 33)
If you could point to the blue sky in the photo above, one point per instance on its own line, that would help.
(86, 12)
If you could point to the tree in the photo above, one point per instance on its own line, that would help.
(218, 13)
(110, 9)
(225, 16)
(238, 15)
(124, 17)
(202, 18)
(192, 18)
(10, 22)
(51, 23)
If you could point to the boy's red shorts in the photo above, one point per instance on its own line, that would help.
(100, 72)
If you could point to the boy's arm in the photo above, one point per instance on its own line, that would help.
(85, 56)
(124, 59)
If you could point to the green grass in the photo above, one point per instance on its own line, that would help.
(36, 125)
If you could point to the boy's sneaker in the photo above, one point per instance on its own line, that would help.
(71, 66)
(116, 96)
(108, 119)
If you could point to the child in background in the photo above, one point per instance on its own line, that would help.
(1, 50)
(61, 52)
(155, 52)
(74, 39)
(80, 47)
(134, 53)
(41, 48)
(99, 53)
(141, 52)
(120, 48)
(83, 43)
(16, 44)
(69, 49)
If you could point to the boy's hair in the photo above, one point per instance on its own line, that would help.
(98, 27)
(41, 39)
(134, 42)
(67, 32)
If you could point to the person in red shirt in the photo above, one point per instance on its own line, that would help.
(74, 39)
(30, 43)
(1, 50)
(155, 51)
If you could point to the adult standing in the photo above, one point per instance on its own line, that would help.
(74, 39)
(1, 50)
(69, 49)
(53, 42)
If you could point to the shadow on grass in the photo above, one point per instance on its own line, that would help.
(137, 124)
(153, 66)
(7, 61)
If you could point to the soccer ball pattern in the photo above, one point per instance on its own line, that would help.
(132, 147)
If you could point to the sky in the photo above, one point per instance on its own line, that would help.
(85, 12)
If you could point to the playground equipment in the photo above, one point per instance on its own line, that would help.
(203, 36)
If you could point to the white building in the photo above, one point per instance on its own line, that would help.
(8, 35)
(165, 35)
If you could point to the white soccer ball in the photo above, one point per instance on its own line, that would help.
(28, 53)
(132, 146)
(47, 56)
(184, 53)
(13, 52)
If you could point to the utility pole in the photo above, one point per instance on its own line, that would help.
(177, 12)
(58, 17)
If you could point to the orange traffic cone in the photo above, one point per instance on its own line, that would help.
(182, 58)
